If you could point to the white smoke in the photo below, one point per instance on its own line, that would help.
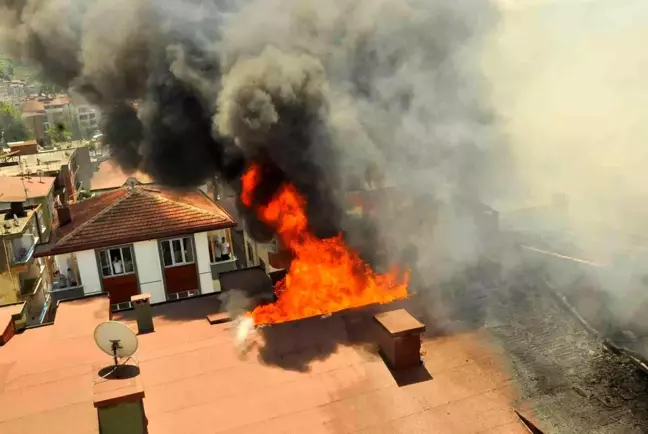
(243, 327)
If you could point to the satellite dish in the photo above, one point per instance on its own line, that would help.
(115, 339)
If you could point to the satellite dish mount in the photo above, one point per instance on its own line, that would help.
(118, 341)
(115, 346)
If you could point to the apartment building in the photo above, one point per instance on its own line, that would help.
(138, 239)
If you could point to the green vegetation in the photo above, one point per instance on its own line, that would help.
(13, 70)
(12, 127)
(58, 133)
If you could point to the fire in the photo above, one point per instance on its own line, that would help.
(325, 275)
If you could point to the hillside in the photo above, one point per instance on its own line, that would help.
(14, 70)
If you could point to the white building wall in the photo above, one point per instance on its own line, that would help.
(88, 272)
(149, 270)
(202, 261)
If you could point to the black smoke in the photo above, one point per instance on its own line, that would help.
(190, 89)
(156, 84)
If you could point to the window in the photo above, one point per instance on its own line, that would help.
(215, 240)
(117, 261)
(177, 251)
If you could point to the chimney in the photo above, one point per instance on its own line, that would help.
(118, 396)
(64, 215)
(399, 338)
(142, 305)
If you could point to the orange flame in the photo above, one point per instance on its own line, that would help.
(325, 276)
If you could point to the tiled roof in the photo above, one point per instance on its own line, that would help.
(60, 100)
(33, 106)
(109, 175)
(12, 188)
(136, 214)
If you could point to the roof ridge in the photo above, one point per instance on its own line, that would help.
(186, 205)
(93, 219)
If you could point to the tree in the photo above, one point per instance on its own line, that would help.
(58, 133)
(12, 127)
(6, 71)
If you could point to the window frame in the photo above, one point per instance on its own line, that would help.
(213, 237)
(121, 256)
(183, 249)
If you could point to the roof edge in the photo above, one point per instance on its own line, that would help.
(117, 242)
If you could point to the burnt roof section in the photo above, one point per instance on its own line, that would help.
(135, 213)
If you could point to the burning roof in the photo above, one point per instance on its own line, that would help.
(325, 275)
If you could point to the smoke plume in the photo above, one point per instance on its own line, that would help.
(321, 94)
(569, 80)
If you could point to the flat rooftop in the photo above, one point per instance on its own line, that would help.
(519, 350)
(46, 160)
(315, 377)
(8, 225)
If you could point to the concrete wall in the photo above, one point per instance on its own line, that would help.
(9, 288)
(89, 271)
(222, 267)
(149, 270)
(201, 242)
(85, 170)
(65, 294)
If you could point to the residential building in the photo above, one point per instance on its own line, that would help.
(35, 116)
(35, 192)
(138, 239)
(45, 111)
(59, 111)
(88, 119)
(72, 167)
(22, 276)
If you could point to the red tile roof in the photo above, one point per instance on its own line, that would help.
(60, 100)
(109, 175)
(140, 213)
(12, 188)
(196, 382)
(25, 143)
(33, 106)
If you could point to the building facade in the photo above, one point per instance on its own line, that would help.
(138, 239)
(22, 275)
